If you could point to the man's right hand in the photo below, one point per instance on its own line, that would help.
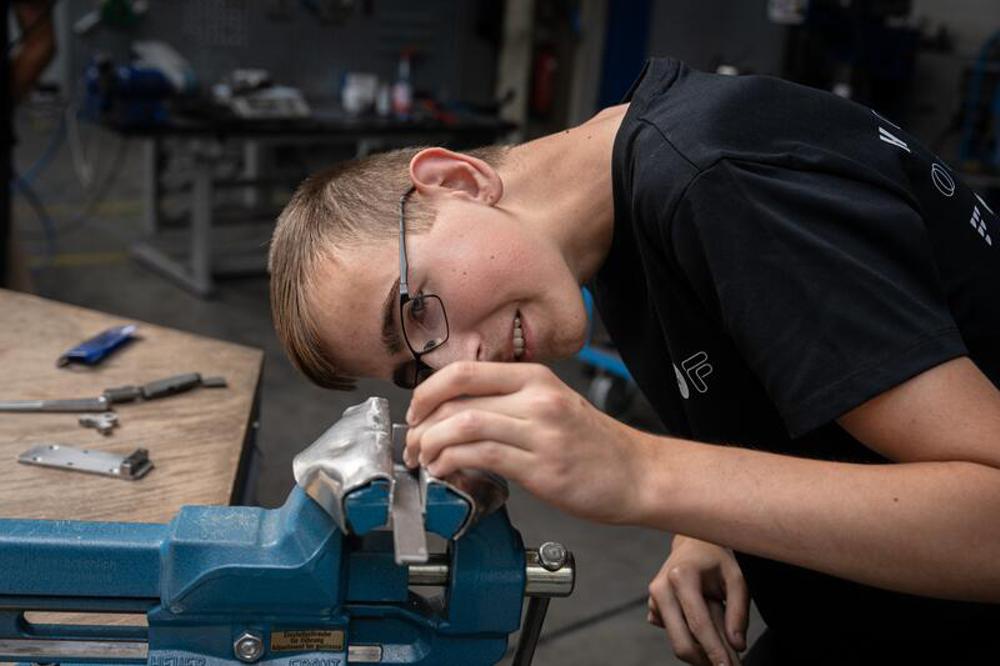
(700, 598)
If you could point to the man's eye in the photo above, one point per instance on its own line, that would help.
(417, 308)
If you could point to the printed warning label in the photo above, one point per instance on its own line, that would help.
(308, 640)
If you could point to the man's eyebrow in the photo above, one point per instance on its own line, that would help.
(390, 331)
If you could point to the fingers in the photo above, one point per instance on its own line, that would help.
(653, 615)
(467, 378)
(684, 644)
(495, 457)
(737, 606)
(469, 425)
(699, 619)
(509, 405)
(717, 613)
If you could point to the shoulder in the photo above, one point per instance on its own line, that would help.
(706, 117)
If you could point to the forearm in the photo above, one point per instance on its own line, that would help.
(37, 49)
(924, 528)
(29, 64)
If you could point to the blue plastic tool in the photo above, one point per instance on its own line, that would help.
(94, 350)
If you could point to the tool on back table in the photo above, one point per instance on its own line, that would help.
(313, 582)
(162, 388)
(94, 350)
(103, 423)
(98, 404)
(112, 396)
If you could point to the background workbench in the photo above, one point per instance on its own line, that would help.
(198, 440)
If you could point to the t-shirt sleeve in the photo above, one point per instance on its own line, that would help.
(826, 284)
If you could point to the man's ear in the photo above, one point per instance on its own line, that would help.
(439, 171)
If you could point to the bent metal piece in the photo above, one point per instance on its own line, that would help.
(485, 492)
(357, 451)
(354, 452)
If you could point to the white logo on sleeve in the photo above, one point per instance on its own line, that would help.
(887, 136)
(942, 180)
(979, 225)
(884, 119)
(682, 385)
(890, 138)
(984, 204)
(696, 368)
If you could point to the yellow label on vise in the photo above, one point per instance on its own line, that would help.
(308, 640)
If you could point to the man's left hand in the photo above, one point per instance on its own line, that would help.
(524, 423)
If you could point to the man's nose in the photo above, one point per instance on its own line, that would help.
(459, 347)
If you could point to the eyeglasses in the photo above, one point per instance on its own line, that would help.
(421, 316)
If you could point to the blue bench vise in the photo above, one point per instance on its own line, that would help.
(316, 582)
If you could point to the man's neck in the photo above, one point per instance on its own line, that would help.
(561, 185)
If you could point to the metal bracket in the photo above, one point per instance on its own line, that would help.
(131, 467)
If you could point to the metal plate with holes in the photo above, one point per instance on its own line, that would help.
(131, 467)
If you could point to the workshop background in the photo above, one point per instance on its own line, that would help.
(114, 207)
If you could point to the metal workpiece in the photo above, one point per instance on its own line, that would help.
(354, 452)
(408, 535)
(539, 581)
(356, 455)
(481, 492)
(60, 456)
(485, 493)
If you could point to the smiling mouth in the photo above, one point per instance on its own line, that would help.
(518, 338)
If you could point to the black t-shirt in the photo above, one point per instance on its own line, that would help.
(781, 256)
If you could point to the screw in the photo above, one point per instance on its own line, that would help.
(552, 556)
(248, 647)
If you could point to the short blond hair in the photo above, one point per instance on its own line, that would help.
(347, 204)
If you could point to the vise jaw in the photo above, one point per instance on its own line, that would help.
(292, 586)
(352, 471)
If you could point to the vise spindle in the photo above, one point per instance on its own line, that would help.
(316, 582)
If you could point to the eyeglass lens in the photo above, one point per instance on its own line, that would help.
(424, 323)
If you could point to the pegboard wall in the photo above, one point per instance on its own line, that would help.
(454, 41)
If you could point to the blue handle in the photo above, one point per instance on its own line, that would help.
(92, 351)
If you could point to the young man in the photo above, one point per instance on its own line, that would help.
(803, 292)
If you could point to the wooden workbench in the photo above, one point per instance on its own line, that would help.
(196, 440)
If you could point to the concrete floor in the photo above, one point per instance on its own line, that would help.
(602, 623)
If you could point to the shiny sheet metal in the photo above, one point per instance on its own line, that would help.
(408, 536)
(352, 453)
(485, 492)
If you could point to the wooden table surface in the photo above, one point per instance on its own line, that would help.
(194, 439)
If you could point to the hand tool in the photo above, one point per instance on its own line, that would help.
(61, 456)
(103, 423)
(94, 350)
(98, 404)
(160, 388)
(286, 587)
